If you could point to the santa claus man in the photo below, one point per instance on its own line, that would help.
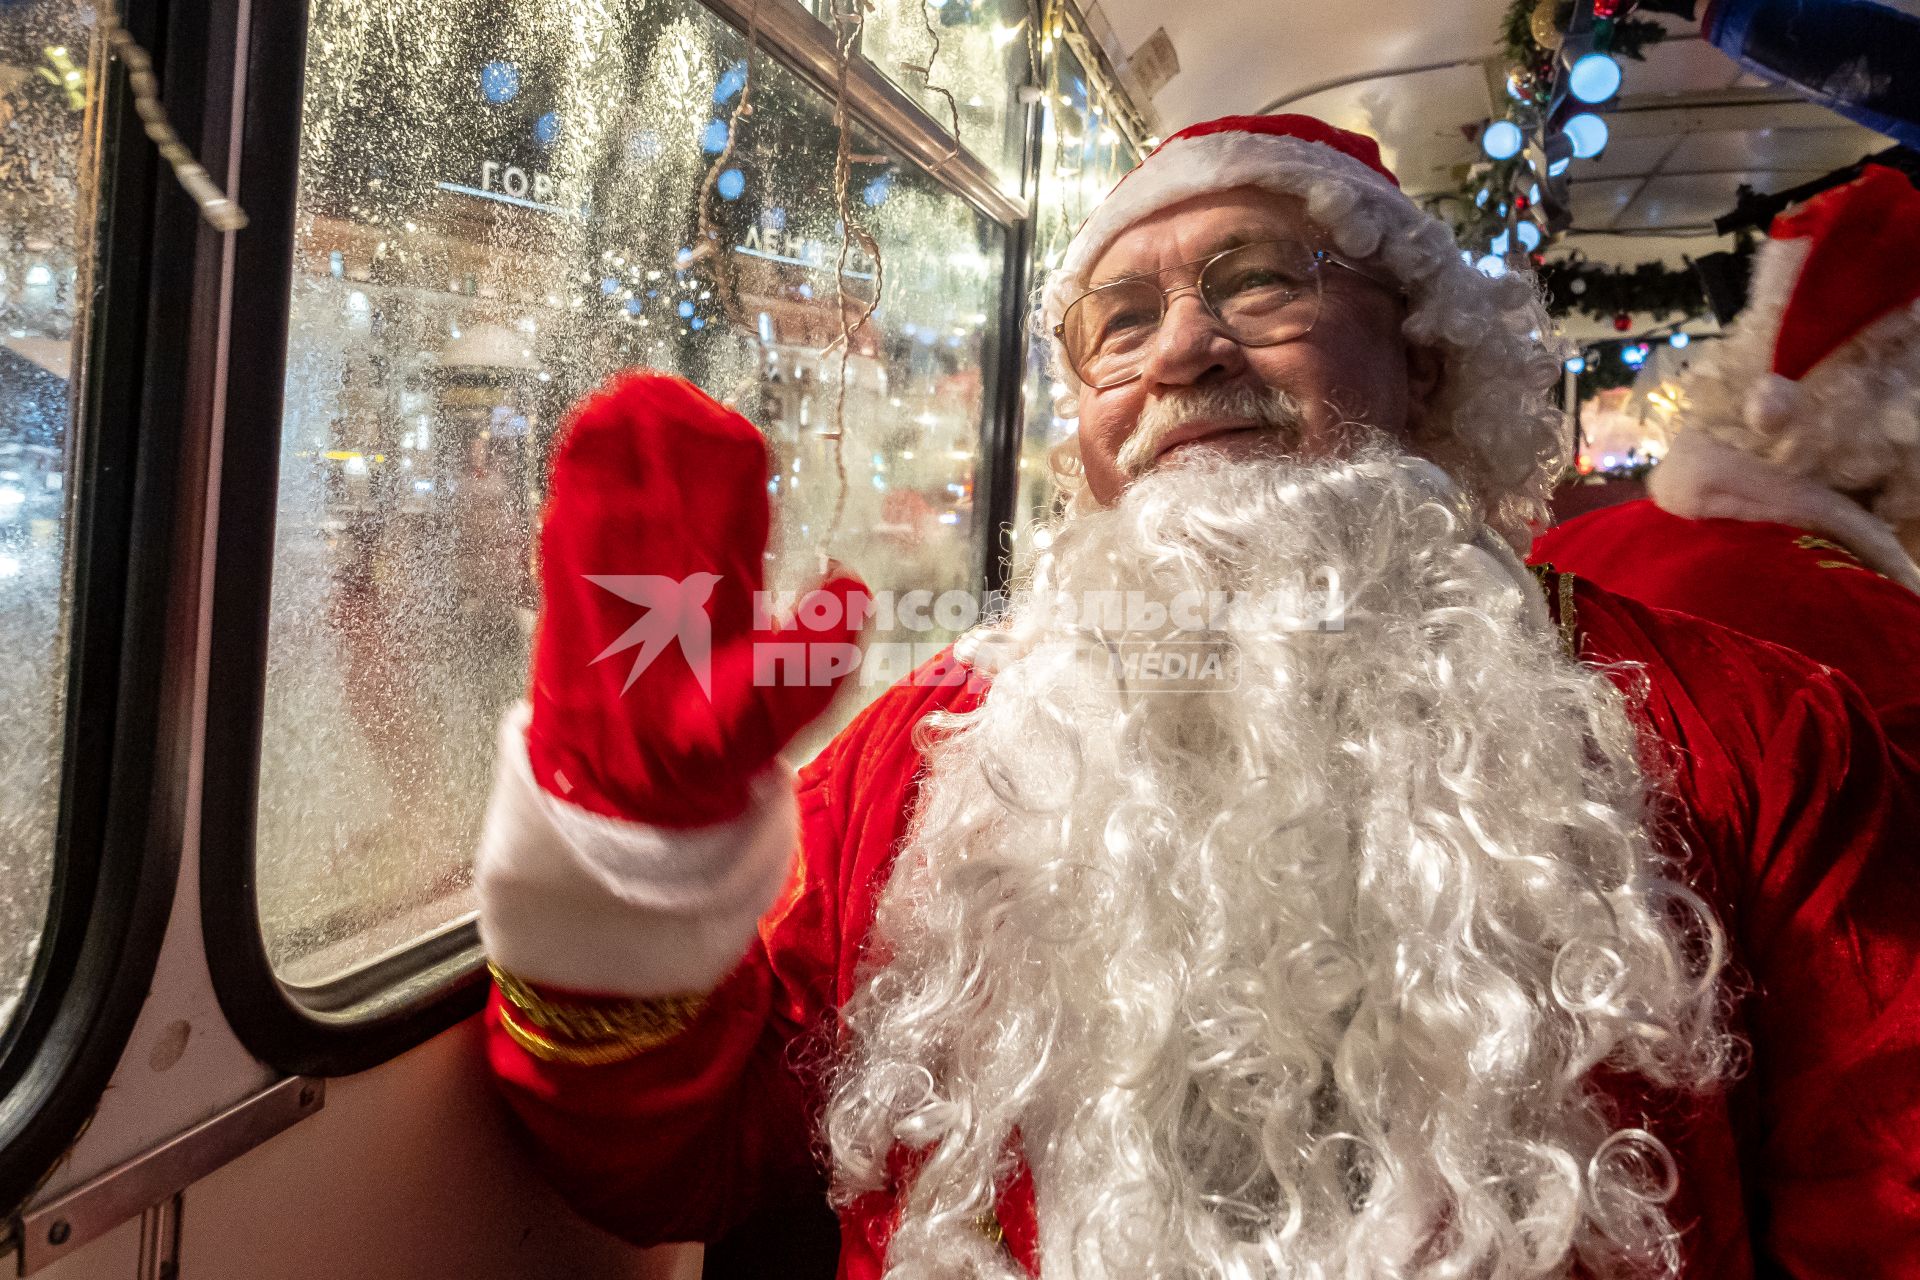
(1433, 938)
(1792, 493)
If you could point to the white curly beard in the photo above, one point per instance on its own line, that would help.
(1305, 978)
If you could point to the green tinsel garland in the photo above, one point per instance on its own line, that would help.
(1631, 36)
(1575, 285)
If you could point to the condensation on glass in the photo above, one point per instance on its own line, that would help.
(961, 60)
(50, 62)
(1083, 152)
(499, 205)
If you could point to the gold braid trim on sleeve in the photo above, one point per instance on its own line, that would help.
(1557, 587)
(586, 1031)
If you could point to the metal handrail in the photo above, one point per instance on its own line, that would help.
(806, 45)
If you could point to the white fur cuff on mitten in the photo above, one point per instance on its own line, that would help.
(588, 903)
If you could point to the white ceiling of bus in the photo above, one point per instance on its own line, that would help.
(1688, 131)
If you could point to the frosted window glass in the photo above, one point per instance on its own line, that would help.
(1082, 154)
(49, 69)
(498, 207)
(982, 59)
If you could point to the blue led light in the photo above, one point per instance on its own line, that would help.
(877, 191)
(1480, 201)
(698, 323)
(633, 306)
(499, 82)
(731, 83)
(1533, 194)
(686, 310)
(608, 284)
(1502, 140)
(1679, 340)
(731, 184)
(1501, 244)
(714, 140)
(1529, 235)
(1594, 78)
(1588, 134)
(1577, 365)
(1633, 357)
(1493, 266)
(1558, 167)
(546, 130)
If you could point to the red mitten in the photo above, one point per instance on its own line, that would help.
(655, 698)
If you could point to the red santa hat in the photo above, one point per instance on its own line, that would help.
(1815, 394)
(1490, 422)
(1849, 262)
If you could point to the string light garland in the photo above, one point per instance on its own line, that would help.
(848, 18)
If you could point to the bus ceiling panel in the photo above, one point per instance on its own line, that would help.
(1696, 199)
(1402, 113)
(1236, 56)
(1596, 204)
(1626, 158)
(1682, 63)
(1718, 111)
(1775, 149)
(807, 45)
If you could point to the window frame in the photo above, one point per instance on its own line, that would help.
(378, 1011)
(127, 735)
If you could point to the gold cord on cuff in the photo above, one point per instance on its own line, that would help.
(587, 1031)
(1557, 587)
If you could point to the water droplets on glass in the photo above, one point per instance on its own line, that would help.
(459, 280)
(48, 179)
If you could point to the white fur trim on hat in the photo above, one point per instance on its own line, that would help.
(1701, 479)
(592, 904)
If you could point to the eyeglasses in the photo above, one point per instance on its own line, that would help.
(1261, 295)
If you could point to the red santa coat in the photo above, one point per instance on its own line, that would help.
(1794, 827)
(1773, 581)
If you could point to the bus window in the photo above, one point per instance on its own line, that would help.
(47, 186)
(983, 55)
(499, 205)
(1083, 152)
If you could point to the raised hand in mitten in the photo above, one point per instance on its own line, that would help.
(655, 696)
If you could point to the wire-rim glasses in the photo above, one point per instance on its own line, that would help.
(1261, 294)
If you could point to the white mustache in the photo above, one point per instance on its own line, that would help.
(1163, 415)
